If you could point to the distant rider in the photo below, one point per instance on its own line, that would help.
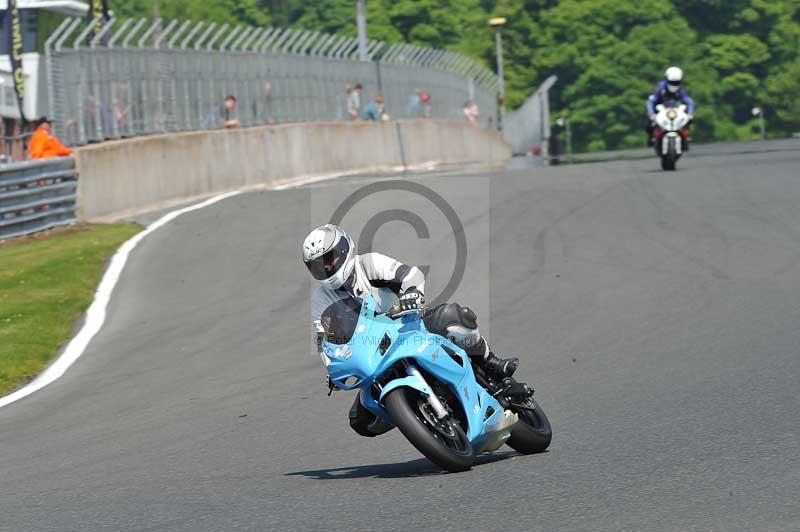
(668, 89)
(330, 256)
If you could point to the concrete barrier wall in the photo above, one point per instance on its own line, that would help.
(125, 176)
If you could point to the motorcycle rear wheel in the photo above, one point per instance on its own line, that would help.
(445, 445)
(532, 433)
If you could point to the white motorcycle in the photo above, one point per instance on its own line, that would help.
(671, 133)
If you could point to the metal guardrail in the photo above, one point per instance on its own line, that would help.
(37, 195)
(139, 77)
(14, 147)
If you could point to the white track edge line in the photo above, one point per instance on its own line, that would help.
(96, 314)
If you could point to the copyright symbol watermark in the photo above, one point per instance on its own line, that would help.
(438, 223)
(369, 230)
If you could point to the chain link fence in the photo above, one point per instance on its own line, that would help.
(140, 77)
(529, 125)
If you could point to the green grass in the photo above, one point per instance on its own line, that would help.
(46, 282)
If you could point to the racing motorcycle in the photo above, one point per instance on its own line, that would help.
(426, 386)
(671, 133)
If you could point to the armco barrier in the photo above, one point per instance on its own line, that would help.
(37, 195)
(145, 173)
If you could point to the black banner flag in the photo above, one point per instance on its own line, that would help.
(98, 12)
(15, 54)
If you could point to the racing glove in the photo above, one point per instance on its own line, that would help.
(411, 300)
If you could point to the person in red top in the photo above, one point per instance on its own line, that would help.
(43, 144)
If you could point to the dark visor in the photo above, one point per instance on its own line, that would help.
(324, 266)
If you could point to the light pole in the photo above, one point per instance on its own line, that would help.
(361, 23)
(759, 112)
(497, 23)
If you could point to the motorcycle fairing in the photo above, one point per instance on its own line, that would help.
(361, 359)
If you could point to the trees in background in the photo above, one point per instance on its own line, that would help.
(737, 54)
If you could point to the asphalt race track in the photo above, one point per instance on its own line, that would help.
(657, 315)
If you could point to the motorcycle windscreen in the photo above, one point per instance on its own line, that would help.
(339, 320)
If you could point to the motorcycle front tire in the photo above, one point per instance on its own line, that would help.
(408, 420)
(670, 158)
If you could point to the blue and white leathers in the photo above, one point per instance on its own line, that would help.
(365, 358)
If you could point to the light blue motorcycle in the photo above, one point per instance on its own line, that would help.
(426, 386)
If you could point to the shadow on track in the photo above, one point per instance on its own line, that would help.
(415, 468)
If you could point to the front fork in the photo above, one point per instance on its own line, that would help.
(436, 405)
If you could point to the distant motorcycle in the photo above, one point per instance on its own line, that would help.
(425, 385)
(671, 133)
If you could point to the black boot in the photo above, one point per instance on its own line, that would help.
(365, 423)
(500, 367)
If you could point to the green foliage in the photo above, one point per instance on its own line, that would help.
(784, 92)
(733, 53)
(223, 11)
(607, 54)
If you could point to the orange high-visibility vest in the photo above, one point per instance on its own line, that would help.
(43, 144)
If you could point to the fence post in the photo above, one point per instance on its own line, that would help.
(48, 59)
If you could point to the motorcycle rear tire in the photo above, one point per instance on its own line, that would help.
(532, 433)
(406, 418)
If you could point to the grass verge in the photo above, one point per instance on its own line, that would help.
(46, 283)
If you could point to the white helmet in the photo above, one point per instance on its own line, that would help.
(674, 77)
(330, 255)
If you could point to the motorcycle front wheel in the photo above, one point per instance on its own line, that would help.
(668, 161)
(532, 433)
(442, 441)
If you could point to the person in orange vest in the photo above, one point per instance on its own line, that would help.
(43, 144)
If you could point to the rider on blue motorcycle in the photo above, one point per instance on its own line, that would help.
(330, 256)
(668, 89)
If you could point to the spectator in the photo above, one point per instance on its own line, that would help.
(121, 109)
(419, 104)
(228, 115)
(43, 145)
(354, 102)
(375, 110)
(471, 112)
(341, 108)
(414, 106)
(425, 99)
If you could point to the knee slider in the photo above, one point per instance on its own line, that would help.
(446, 315)
(468, 317)
(455, 322)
